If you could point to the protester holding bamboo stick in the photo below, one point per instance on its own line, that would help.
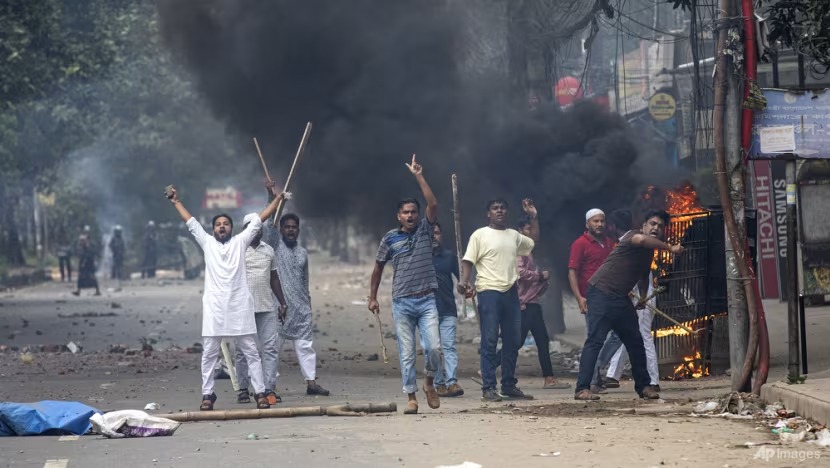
(409, 248)
(227, 305)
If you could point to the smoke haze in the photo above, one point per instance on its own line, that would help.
(382, 80)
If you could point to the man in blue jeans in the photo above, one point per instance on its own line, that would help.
(446, 265)
(409, 247)
(609, 307)
(494, 251)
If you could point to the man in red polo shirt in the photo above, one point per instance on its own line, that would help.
(588, 252)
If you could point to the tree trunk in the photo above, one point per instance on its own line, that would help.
(14, 249)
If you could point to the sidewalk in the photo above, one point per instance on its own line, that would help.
(810, 400)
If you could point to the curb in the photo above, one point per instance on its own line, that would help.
(810, 400)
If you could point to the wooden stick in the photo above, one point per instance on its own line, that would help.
(663, 314)
(226, 415)
(228, 357)
(457, 221)
(300, 151)
(262, 160)
(380, 333)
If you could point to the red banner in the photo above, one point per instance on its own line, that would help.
(766, 238)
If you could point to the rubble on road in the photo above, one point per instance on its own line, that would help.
(789, 427)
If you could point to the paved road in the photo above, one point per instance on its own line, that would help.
(463, 429)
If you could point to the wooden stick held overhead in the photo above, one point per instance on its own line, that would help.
(300, 151)
(262, 160)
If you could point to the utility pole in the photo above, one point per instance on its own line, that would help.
(743, 337)
(793, 364)
(735, 291)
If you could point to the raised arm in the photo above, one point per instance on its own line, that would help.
(172, 194)
(432, 203)
(374, 284)
(271, 208)
(530, 210)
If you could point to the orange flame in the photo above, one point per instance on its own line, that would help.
(681, 200)
(693, 366)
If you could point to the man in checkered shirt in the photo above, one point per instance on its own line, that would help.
(264, 283)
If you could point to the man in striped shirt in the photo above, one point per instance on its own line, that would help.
(409, 247)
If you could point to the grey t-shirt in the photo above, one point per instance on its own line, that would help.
(411, 255)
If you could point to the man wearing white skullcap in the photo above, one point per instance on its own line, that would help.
(227, 304)
(593, 212)
(588, 252)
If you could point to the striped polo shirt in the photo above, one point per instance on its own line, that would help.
(411, 256)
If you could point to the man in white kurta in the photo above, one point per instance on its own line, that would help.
(227, 304)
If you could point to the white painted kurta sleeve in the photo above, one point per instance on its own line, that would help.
(197, 231)
(251, 231)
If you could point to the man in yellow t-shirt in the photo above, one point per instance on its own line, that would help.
(494, 251)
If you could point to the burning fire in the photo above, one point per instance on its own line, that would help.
(692, 367)
(682, 204)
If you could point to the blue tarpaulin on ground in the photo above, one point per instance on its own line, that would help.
(45, 417)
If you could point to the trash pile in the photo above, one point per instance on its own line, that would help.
(782, 422)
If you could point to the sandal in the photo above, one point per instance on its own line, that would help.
(243, 397)
(586, 395)
(272, 397)
(411, 407)
(262, 401)
(207, 402)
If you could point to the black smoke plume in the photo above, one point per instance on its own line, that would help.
(381, 80)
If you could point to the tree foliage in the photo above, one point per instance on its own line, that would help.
(803, 25)
(94, 111)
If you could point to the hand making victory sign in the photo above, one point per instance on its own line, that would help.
(415, 168)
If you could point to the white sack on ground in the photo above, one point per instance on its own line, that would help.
(132, 423)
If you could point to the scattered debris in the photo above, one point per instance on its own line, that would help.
(373, 357)
(822, 438)
(466, 464)
(252, 436)
(132, 423)
(549, 454)
(782, 422)
(72, 347)
(151, 406)
(88, 315)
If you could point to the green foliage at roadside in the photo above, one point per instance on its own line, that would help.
(94, 110)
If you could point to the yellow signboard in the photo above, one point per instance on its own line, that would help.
(662, 106)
